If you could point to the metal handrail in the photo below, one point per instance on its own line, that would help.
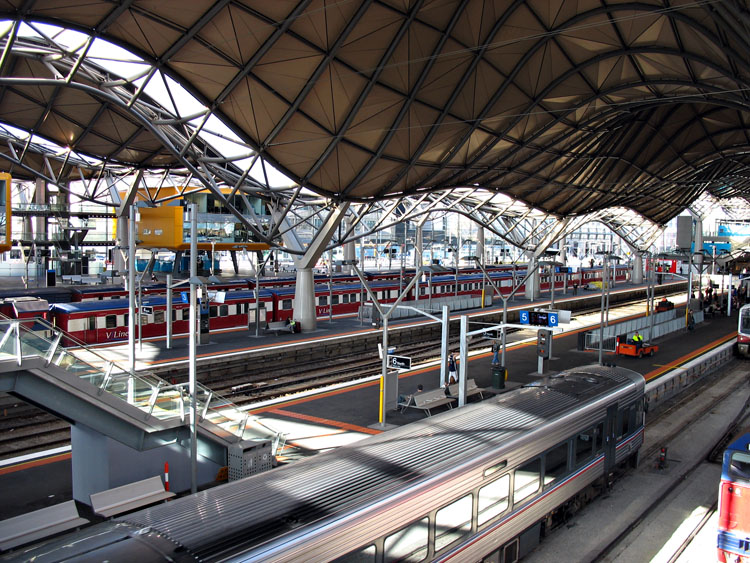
(112, 373)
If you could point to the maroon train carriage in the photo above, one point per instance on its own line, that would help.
(100, 322)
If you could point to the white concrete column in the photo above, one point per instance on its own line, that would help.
(304, 300)
(563, 256)
(419, 249)
(638, 268)
(41, 196)
(698, 235)
(118, 258)
(480, 245)
(531, 290)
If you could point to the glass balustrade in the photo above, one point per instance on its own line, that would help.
(35, 338)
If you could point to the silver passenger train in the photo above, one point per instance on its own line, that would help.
(480, 483)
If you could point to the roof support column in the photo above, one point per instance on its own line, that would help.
(532, 288)
(638, 268)
(419, 248)
(480, 245)
(698, 235)
(350, 253)
(304, 294)
(563, 256)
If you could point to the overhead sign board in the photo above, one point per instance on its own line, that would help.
(539, 318)
(399, 362)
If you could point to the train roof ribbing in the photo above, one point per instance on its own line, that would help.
(250, 511)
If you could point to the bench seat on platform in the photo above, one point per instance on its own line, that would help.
(129, 497)
(39, 524)
(427, 400)
(471, 389)
(279, 326)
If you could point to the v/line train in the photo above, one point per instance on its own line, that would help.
(485, 480)
(106, 320)
(733, 541)
(67, 294)
(743, 332)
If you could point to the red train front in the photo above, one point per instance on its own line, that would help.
(734, 503)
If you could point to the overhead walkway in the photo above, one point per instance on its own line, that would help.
(138, 410)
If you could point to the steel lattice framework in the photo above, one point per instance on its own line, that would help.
(530, 117)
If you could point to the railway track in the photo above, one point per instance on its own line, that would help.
(683, 416)
(242, 381)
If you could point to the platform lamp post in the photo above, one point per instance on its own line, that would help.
(552, 264)
(131, 303)
(258, 268)
(192, 350)
(604, 320)
(505, 299)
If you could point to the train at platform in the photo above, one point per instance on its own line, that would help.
(104, 321)
(733, 542)
(483, 482)
(742, 346)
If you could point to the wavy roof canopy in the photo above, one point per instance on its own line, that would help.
(571, 106)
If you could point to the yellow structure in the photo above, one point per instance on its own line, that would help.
(164, 227)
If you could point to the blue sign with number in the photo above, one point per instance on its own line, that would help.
(524, 316)
(552, 319)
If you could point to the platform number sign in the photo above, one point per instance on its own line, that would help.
(524, 317)
(399, 362)
(552, 319)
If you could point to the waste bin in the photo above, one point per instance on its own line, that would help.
(499, 375)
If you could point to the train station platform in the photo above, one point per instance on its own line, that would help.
(325, 419)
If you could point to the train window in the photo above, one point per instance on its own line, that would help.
(186, 314)
(739, 466)
(323, 300)
(494, 468)
(493, 499)
(628, 417)
(555, 464)
(599, 436)
(584, 447)
(334, 299)
(364, 555)
(213, 312)
(111, 321)
(452, 522)
(286, 304)
(526, 481)
(408, 544)
(92, 323)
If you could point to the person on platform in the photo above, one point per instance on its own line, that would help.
(406, 399)
(637, 340)
(452, 371)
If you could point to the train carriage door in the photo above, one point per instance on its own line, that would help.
(610, 439)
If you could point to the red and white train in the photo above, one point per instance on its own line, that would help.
(105, 321)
